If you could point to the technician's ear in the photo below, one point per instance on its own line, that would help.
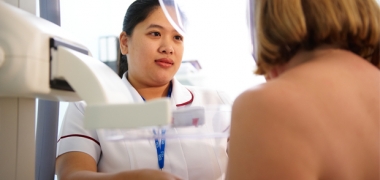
(123, 39)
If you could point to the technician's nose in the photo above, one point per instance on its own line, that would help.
(167, 49)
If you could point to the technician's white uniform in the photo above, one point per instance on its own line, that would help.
(193, 159)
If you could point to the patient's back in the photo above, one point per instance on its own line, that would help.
(339, 97)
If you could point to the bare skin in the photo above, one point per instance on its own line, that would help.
(316, 118)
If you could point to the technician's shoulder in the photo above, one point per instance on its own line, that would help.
(77, 106)
(209, 96)
(74, 112)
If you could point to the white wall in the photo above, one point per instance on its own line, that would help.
(221, 42)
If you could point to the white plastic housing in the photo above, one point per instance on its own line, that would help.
(24, 39)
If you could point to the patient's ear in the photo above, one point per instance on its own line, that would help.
(275, 71)
(272, 73)
(123, 39)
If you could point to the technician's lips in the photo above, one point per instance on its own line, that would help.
(164, 62)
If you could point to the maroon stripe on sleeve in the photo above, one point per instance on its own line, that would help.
(79, 135)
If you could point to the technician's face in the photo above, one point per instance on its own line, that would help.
(154, 51)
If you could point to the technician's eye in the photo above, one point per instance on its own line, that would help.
(179, 38)
(155, 34)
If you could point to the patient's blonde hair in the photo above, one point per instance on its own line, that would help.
(286, 26)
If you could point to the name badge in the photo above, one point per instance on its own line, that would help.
(188, 116)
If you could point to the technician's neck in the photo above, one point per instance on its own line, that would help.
(149, 92)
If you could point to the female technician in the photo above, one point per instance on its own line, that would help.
(154, 50)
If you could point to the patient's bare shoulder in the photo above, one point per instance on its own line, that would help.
(268, 128)
(280, 100)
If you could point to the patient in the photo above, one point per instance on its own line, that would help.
(318, 115)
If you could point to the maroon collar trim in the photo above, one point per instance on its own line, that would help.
(188, 102)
